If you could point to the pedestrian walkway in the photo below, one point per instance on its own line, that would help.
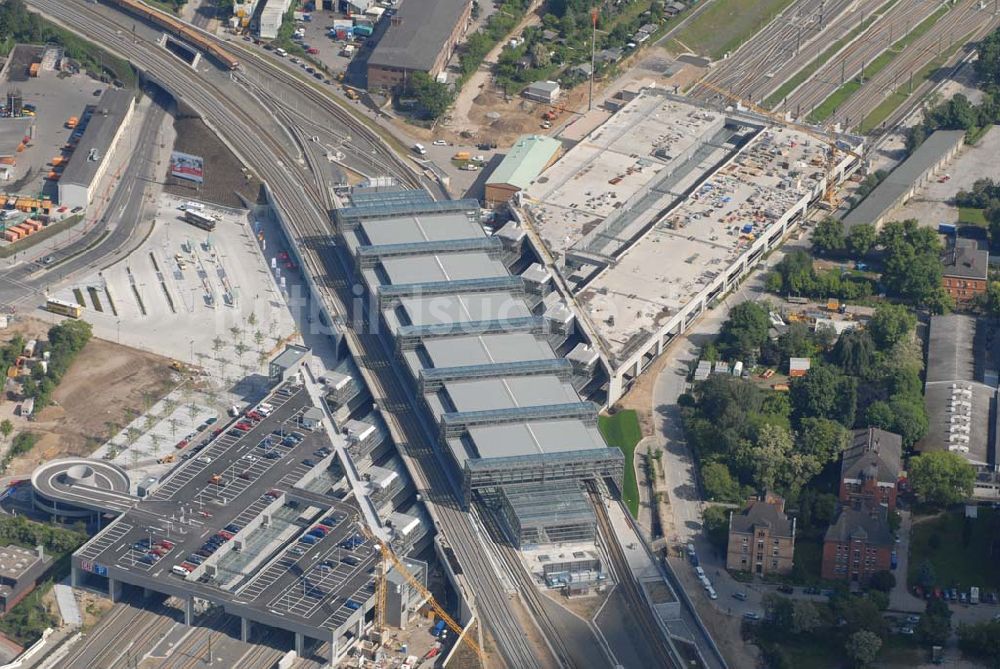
(68, 609)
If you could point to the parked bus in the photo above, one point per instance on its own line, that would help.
(200, 220)
(71, 309)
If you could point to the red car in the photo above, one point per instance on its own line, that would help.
(312, 50)
(182, 443)
(291, 266)
(187, 566)
(166, 543)
(255, 415)
(243, 425)
(283, 256)
(226, 535)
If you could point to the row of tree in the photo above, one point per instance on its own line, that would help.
(908, 255)
(748, 438)
(65, 341)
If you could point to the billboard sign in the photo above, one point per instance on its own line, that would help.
(187, 166)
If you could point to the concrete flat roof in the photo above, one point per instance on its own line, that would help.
(534, 438)
(108, 116)
(720, 198)
(503, 393)
(464, 308)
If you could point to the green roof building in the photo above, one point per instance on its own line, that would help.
(528, 158)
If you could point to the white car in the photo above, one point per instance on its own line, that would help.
(440, 142)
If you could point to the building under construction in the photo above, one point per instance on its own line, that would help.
(660, 211)
(482, 347)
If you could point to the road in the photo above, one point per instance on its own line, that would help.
(111, 236)
(246, 126)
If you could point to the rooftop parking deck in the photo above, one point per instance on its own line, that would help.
(237, 512)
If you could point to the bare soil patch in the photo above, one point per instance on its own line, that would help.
(106, 384)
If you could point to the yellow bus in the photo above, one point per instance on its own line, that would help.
(71, 309)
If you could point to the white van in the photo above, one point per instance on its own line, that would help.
(419, 149)
(281, 52)
(179, 570)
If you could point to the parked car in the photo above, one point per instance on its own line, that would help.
(742, 596)
(751, 615)
(786, 589)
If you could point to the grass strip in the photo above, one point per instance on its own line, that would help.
(842, 94)
(95, 299)
(111, 302)
(725, 24)
(622, 431)
(78, 296)
(806, 72)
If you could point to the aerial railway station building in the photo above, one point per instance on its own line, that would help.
(482, 347)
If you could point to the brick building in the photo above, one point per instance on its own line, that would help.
(870, 470)
(421, 37)
(761, 538)
(857, 545)
(966, 270)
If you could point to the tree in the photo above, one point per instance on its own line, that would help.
(909, 418)
(828, 237)
(883, 581)
(718, 483)
(854, 352)
(862, 647)
(823, 438)
(861, 240)
(540, 55)
(981, 640)
(890, 324)
(926, 575)
(6, 427)
(879, 414)
(746, 330)
(988, 64)
(933, 630)
(715, 520)
(805, 617)
(433, 98)
(824, 393)
(941, 478)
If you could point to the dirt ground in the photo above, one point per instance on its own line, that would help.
(225, 183)
(92, 606)
(105, 384)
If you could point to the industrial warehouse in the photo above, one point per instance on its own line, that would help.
(483, 348)
(710, 190)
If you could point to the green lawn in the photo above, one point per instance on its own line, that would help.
(726, 24)
(972, 216)
(841, 95)
(806, 72)
(961, 557)
(622, 430)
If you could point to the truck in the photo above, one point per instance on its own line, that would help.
(347, 51)
(72, 122)
(438, 628)
(974, 595)
(462, 155)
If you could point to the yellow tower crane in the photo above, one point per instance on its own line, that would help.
(830, 193)
(390, 559)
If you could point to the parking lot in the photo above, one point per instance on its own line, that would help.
(203, 298)
(56, 97)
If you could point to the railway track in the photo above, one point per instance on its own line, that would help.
(638, 605)
(301, 205)
(894, 24)
(964, 21)
(799, 34)
(528, 591)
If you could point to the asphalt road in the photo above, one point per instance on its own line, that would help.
(111, 237)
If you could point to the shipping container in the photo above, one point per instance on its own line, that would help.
(947, 228)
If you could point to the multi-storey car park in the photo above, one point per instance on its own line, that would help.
(481, 349)
(658, 212)
(257, 521)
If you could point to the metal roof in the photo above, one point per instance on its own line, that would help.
(888, 193)
(418, 33)
(549, 502)
(525, 161)
(96, 141)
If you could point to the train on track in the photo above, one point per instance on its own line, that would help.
(178, 29)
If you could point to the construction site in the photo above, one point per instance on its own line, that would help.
(662, 210)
